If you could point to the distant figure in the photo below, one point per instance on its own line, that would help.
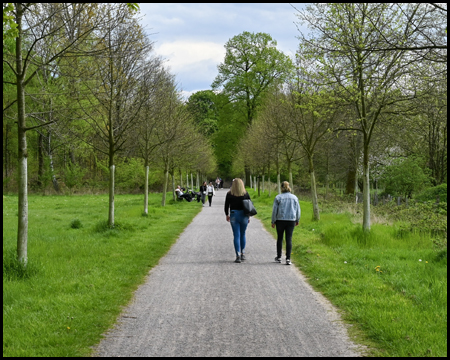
(202, 193)
(210, 191)
(182, 195)
(217, 183)
(221, 183)
(237, 218)
(285, 216)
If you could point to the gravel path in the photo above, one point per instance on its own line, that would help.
(198, 302)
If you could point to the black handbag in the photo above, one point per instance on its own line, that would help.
(249, 208)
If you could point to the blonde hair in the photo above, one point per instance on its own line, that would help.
(238, 188)
(285, 187)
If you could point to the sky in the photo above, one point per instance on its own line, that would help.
(191, 37)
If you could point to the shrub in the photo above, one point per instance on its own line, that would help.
(76, 224)
(432, 193)
(405, 177)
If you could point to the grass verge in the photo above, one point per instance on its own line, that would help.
(80, 272)
(390, 284)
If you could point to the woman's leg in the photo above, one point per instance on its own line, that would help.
(244, 224)
(210, 199)
(289, 231)
(280, 225)
(236, 227)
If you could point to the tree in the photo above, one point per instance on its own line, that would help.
(347, 47)
(147, 143)
(251, 66)
(117, 88)
(204, 110)
(421, 28)
(36, 28)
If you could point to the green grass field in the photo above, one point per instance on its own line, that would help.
(391, 285)
(80, 272)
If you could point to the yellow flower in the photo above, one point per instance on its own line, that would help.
(68, 328)
(426, 262)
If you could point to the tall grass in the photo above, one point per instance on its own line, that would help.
(391, 284)
(80, 272)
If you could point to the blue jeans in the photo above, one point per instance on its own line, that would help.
(239, 224)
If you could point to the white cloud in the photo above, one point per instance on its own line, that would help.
(183, 54)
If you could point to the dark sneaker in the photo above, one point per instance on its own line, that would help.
(242, 257)
(238, 259)
(288, 261)
(278, 260)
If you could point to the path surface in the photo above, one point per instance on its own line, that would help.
(198, 302)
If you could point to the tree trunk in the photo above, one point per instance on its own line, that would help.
(40, 159)
(247, 179)
(366, 190)
(146, 191)
(316, 214)
(279, 181)
(166, 180)
(111, 197)
(22, 230)
(290, 177)
(174, 197)
(50, 155)
(6, 151)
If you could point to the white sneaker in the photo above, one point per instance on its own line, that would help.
(288, 261)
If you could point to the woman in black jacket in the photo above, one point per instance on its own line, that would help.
(202, 193)
(237, 218)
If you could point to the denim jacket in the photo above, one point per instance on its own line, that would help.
(286, 207)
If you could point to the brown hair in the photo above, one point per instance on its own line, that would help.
(238, 188)
(285, 187)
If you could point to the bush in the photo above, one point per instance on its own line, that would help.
(404, 177)
(76, 224)
(432, 193)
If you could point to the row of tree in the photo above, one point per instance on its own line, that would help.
(82, 78)
(367, 88)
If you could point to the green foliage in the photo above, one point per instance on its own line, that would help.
(202, 105)
(130, 173)
(404, 177)
(432, 193)
(73, 175)
(9, 26)
(252, 65)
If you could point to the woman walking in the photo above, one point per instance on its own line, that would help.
(237, 218)
(285, 216)
(203, 193)
(210, 192)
